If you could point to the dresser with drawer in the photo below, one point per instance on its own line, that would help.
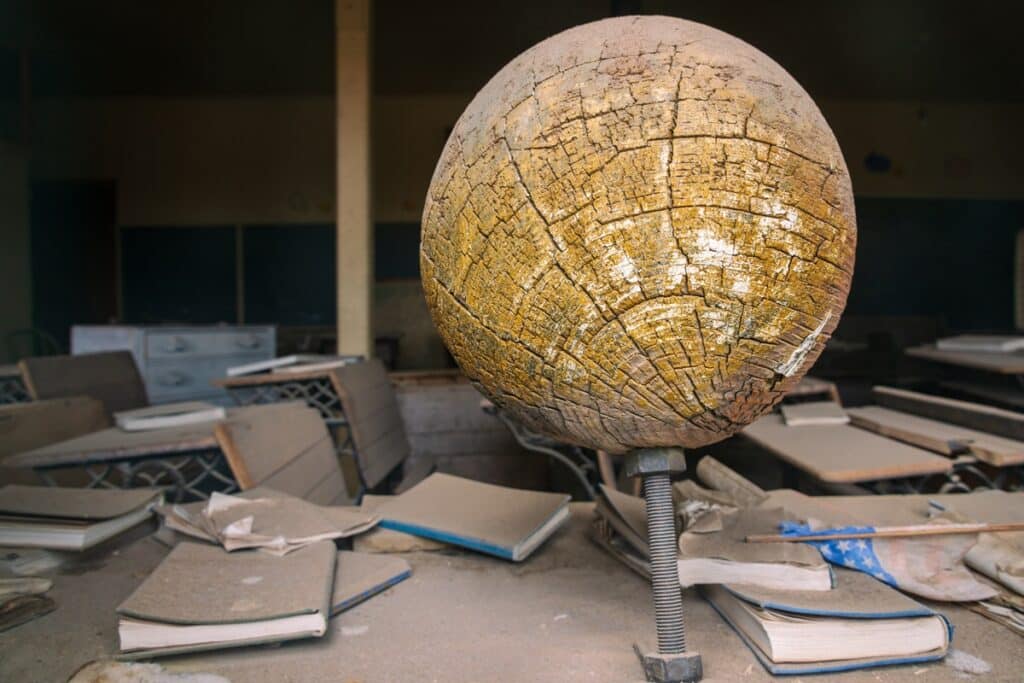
(177, 363)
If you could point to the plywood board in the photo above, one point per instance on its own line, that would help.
(965, 413)
(284, 446)
(1003, 363)
(941, 437)
(843, 454)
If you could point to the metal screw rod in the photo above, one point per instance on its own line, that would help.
(661, 534)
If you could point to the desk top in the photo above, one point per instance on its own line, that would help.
(1003, 363)
(843, 454)
(569, 613)
(116, 444)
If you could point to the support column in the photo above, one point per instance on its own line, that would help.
(354, 219)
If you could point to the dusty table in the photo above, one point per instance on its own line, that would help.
(187, 459)
(569, 613)
(1001, 363)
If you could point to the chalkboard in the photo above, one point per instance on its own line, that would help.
(941, 257)
(178, 274)
(289, 274)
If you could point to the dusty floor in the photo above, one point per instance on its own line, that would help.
(569, 613)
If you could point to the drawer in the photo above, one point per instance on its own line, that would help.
(182, 379)
(215, 343)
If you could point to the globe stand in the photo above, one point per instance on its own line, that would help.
(671, 663)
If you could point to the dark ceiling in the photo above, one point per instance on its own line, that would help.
(870, 49)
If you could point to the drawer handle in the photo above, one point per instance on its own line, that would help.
(175, 345)
(172, 379)
(248, 343)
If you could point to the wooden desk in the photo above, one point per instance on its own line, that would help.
(1001, 363)
(569, 613)
(188, 459)
(842, 454)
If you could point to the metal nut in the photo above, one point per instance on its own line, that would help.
(660, 668)
(655, 461)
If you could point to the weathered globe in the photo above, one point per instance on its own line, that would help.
(640, 233)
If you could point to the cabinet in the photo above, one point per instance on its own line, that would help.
(177, 363)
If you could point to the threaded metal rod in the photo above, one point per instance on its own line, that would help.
(661, 536)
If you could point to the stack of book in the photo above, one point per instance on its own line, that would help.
(796, 613)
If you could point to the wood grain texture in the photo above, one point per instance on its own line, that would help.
(640, 233)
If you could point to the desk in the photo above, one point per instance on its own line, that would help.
(1001, 363)
(841, 454)
(12, 386)
(187, 459)
(569, 613)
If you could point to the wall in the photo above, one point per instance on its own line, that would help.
(15, 275)
(251, 160)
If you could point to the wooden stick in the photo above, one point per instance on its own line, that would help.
(607, 470)
(892, 532)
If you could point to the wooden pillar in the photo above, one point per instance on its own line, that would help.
(354, 220)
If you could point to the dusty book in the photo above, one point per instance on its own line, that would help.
(861, 623)
(626, 515)
(497, 520)
(725, 557)
(360, 576)
(202, 598)
(264, 518)
(812, 413)
(70, 518)
(169, 415)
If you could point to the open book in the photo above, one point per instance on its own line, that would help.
(202, 598)
(70, 518)
(861, 623)
(497, 520)
(723, 556)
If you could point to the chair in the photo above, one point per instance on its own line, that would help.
(111, 377)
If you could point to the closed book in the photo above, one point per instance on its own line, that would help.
(861, 623)
(497, 520)
(169, 415)
(70, 518)
(812, 413)
(203, 598)
(360, 576)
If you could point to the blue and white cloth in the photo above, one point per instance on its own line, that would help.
(928, 566)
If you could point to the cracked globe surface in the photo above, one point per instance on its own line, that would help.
(641, 232)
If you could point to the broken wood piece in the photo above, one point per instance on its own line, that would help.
(890, 532)
(744, 492)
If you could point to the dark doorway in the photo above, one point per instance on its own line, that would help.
(74, 254)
